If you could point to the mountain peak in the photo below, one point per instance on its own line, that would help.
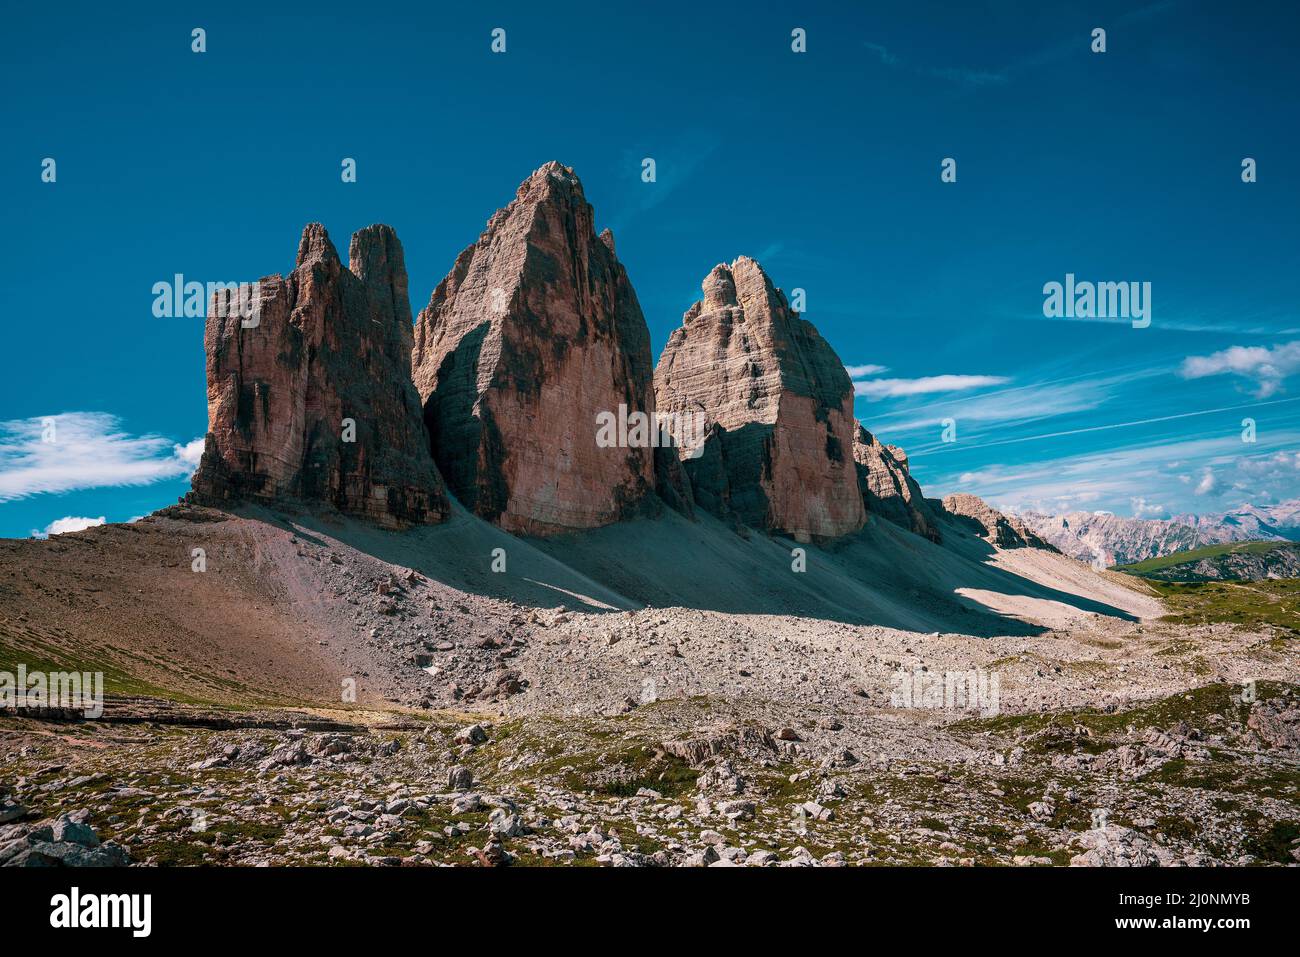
(534, 335)
(781, 402)
(315, 245)
(314, 402)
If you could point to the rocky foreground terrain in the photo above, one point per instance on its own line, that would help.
(1190, 779)
(495, 729)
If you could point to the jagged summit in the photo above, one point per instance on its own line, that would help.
(315, 244)
(535, 333)
(312, 399)
(888, 488)
(776, 450)
(1004, 531)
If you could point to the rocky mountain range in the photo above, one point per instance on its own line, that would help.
(888, 488)
(1005, 531)
(1106, 539)
(331, 400)
(1262, 522)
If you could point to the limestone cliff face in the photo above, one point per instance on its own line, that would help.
(311, 399)
(776, 448)
(1005, 531)
(888, 488)
(534, 334)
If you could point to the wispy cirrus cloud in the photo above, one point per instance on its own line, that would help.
(81, 450)
(1162, 324)
(858, 372)
(960, 75)
(1014, 406)
(1220, 470)
(675, 163)
(1109, 426)
(974, 78)
(894, 388)
(1268, 367)
(883, 54)
(1017, 405)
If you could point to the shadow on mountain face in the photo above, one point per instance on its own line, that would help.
(453, 427)
(461, 552)
(968, 559)
(881, 576)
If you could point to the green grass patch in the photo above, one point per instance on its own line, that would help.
(1191, 556)
(1272, 602)
(1194, 707)
(1276, 843)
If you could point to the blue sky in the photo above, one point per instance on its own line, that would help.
(1122, 166)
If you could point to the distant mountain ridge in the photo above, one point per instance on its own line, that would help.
(1240, 561)
(1114, 540)
(1281, 521)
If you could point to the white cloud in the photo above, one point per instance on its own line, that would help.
(964, 408)
(80, 450)
(1269, 367)
(69, 523)
(893, 388)
(857, 372)
(1020, 404)
(1144, 509)
(1278, 465)
(189, 453)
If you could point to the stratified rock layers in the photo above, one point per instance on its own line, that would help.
(1004, 531)
(534, 333)
(888, 488)
(328, 343)
(776, 447)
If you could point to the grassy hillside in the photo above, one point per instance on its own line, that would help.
(1198, 554)
(1258, 604)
